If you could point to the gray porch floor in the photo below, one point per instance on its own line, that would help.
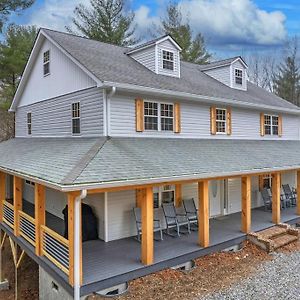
(105, 260)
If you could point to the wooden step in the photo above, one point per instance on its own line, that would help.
(284, 240)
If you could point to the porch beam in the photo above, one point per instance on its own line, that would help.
(203, 213)
(246, 204)
(147, 254)
(298, 192)
(39, 215)
(276, 198)
(178, 195)
(18, 196)
(2, 193)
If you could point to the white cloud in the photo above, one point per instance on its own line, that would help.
(55, 14)
(235, 22)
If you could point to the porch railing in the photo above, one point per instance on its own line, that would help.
(27, 227)
(8, 214)
(55, 248)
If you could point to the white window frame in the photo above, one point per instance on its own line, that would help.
(267, 177)
(271, 124)
(223, 121)
(29, 123)
(76, 118)
(30, 183)
(45, 63)
(240, 77)
(167, 60)
(159, 116)
(161, 189)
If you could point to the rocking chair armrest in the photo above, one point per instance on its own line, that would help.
(181, 214)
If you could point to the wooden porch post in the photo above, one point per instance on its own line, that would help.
(18, 188)
(298, 192)
(39, 215)
(203, 213)
(246, 204)
(147, 227)
(71, 236)
(2, 193)
(178, 195)
(276, 198)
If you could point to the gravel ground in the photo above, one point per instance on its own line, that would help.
(276, 279)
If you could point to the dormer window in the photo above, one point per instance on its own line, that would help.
(238, 76)
(29, 123)
(46, 63)
(168, 60)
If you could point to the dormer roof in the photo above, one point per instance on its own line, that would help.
(155, 42)
(224, 63)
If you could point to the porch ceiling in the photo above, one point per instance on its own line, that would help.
(72, 163)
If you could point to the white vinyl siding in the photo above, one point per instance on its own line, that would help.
(54, 117)
(66, 77)
(195, 121)
(221, 74)
(146, 57)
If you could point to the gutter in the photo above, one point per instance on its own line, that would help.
(195, 97)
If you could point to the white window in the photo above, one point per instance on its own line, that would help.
(220, 120)
(29, 123)
(76, 118)
(164, 194)
(271, 125)
(28, 182)
(158, 116)
(168, 60)
(238, 76)
(267, 181)
(46, 63)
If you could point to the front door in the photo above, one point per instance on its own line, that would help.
(216, 197)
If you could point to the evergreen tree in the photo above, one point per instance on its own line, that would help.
(14, 52)
(106, 21)
(193, 48)
(287, 80)
(7, 7)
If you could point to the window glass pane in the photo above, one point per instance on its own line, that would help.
(238, 76)
(76, 126)
(29, 123)
(221, 120)
(168, 60)
(46, 62)
(166, 111)
(151, 115)
(76, 118)
(156, 200)
(267, 121)
(167, 197)
(275, 125)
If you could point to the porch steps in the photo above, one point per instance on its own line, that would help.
(275, 237)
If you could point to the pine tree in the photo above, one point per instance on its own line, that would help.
(193, 49)
(106, 21)
(7, 7)
(287, 80)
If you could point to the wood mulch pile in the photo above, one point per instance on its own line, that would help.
(213, 272)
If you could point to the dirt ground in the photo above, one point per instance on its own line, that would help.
(213, 272)
(28, 277)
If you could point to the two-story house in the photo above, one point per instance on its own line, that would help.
(117, 128)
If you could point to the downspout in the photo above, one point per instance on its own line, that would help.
(107, 108)
(77, 243)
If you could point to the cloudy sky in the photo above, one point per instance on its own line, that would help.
(230, 27)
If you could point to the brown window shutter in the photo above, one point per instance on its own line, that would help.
(229, 125)
(177, 127)
(213, 128)
(139, 113)
(280, 125)
(262, 124)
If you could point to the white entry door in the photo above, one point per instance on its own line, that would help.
(216, 197)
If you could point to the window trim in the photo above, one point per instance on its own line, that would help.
(45, 63)
(76, 118)
(226, 125)
(30, 183)
(240, 77)
(29, 123)
(271, 125)
(159, 116)
(168, 60)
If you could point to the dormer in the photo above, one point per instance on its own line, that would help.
(161, 56)
(232, 72)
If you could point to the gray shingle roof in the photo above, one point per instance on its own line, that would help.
(219, 63)
(110, 63)
(146, 44)
(121, 161)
